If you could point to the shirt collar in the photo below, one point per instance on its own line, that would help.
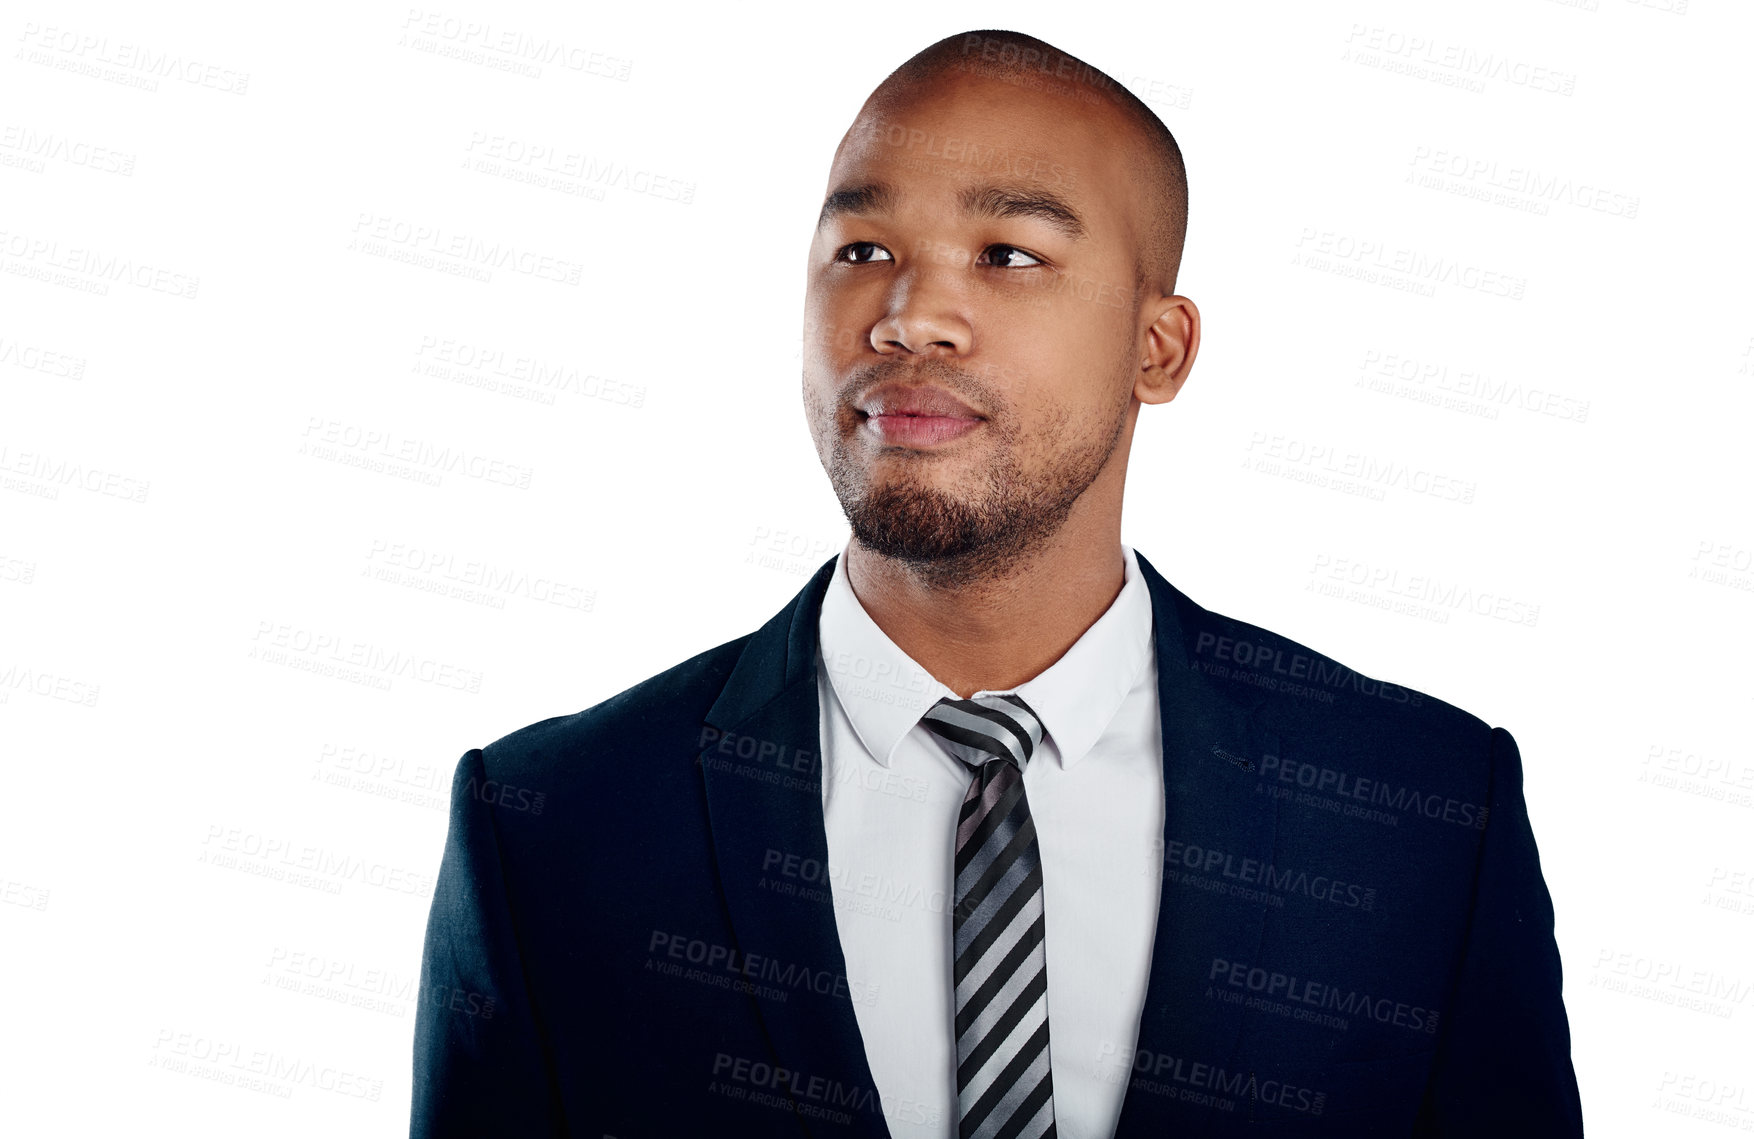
(885, 692)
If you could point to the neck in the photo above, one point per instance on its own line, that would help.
(997, 632)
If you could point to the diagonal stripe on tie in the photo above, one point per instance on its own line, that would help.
(980, 966)
(970, 949)
(998, 1041)
(1002, 844)
(986, 735)
(997, 1014)
(1026, 1074)
(994, 807)
(1004, 1082)
(986, 984)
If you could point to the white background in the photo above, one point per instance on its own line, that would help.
(236, 630)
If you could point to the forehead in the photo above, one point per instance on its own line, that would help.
(932, 145)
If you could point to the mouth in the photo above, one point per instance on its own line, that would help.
(916, 431)
(915, 416)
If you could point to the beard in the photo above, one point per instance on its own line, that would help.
(982, 531)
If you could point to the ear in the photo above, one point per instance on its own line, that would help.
(1171, 341)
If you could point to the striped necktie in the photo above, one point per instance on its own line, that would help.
(1004, 1089)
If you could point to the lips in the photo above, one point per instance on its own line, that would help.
(929, 402)
(916, 417)
(920, 431)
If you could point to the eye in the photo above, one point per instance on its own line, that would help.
(862, 253)
(1004, 257)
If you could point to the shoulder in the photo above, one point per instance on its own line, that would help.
(1306, 694)
(1351, 743)
(652, 720)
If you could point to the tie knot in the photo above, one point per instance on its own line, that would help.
(984, 728)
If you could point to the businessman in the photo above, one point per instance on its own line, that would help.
(991, 831)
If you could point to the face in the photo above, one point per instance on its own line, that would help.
(971, 328)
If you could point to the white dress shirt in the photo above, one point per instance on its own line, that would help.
(890, 796)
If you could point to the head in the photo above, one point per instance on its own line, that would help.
(995, 261)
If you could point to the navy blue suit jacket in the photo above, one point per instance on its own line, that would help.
(632, 935)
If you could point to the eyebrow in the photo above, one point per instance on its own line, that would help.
(871, 198)
(995, 201)
(987, 201)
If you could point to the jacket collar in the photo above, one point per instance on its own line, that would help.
(1076, 697)
(764, 795)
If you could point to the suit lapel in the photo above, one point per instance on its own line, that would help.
(764, 793)
(763, 786)
(1214, 818)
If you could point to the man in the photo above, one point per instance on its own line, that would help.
(991, 831)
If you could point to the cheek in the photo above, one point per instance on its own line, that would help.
(820, 418)
(1066, 402)
(1096, 350)
(1067, 329)
(833, 328)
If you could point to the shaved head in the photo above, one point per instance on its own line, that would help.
(1012, 57)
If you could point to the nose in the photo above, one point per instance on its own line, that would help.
(924, 317)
